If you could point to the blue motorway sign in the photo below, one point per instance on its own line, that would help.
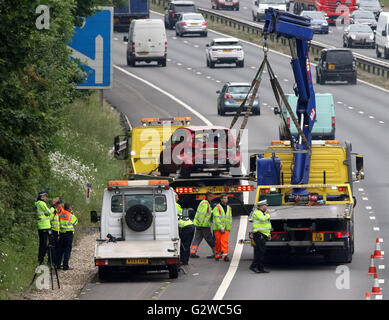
(92, 43)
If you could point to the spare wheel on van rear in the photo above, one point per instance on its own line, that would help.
(139, 218)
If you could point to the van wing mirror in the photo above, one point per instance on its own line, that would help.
(360, 175)
(125, 38)
(384, 33)
(93, 216)
(276, 110)
(121, 148)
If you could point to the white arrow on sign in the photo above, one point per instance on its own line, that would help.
(97, 62)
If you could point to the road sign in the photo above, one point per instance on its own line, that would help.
(92, 44)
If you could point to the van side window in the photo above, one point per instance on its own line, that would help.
(117, 203)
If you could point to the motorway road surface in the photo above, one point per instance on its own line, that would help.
(333, 38)
(361, 116)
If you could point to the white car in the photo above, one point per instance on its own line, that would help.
(259, 7)
(224, 50)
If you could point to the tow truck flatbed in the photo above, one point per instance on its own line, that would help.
(336, 211)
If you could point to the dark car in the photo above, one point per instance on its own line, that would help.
(231, 97)
(336, 65)
(363, 17)
(174, 10)
(360, 35)
(199, 149)
(225, 4)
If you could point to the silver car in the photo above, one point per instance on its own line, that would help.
(358, 35)
(231, 97)
(190, 23)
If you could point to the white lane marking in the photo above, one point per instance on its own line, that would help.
(340, 102)
(365, 198)
(350, 108)
(381, 122)
(185, 41)
(218, 81)
(360, 189)
(188, 68)
(179, 64)
(116, 39)
(198, 72)
(360, 112)
(265, 104)
(372, 217)
(196, 46)
(381, 267)
(286, 80)
(376, 229)
(371, 117)
(189, 108)
(174, 38)
(208, 77)
(368, 208)
(221, 291)
(169, 59)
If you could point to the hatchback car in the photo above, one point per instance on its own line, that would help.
(319, 22)
(337, 65)
(363, 17)
(225, 4)
(191, 23)
(231, 97)
(199, 149)
(360, 35)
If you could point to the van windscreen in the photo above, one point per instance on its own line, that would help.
(185, 8)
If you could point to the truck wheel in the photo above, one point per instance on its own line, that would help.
(173, 271)
(340, 255)
(103, 273)
(139, 218)
(211, 64)
(377, 52)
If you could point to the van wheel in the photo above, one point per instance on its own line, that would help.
(354, 80)
(386, 54)
(163, 63)
(173, 271)
(211, 64)
(378, 54)
(103, 272)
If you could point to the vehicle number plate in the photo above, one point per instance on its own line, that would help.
(239, 100)
(227, 50)
(137, 261)
(318, 236)
(142, 54)
(194, 24)
(331, 67)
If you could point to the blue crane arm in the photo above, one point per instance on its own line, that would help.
(298, 32)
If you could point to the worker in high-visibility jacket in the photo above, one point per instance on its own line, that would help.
(55, 210)
(222, 223)
(186, 231)
(43, 223)
(67, 221)
(261, 233)
(203, 224)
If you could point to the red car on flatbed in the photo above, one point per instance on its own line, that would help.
(199, 149)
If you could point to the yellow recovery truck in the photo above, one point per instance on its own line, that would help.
(142, 147)
(321, 222)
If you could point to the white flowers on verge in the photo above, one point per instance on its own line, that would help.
(64, 167)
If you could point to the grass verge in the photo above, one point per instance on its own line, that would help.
(362, 75)
(82, 155)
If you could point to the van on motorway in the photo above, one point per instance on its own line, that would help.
(146, 42)
(324, 127)
(382, 36)
(259, 7)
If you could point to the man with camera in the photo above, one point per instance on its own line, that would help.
(261, 233)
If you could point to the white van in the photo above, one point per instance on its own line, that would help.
(382, 36)
(259, 6)
(146, 42)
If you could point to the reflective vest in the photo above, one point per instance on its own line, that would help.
(43, 215)
(182, 222)
(54, 218)
(67, 221)
(203, 215)
(222, 219)
(261, 222)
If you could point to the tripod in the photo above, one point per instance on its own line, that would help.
(50, 254)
